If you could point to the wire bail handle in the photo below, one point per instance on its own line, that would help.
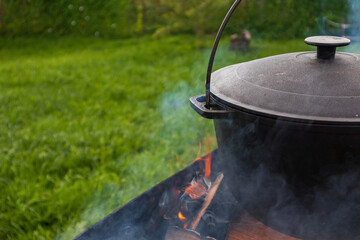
(213, 52)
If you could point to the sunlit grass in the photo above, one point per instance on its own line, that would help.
(88, 124)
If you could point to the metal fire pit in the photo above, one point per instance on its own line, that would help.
(154, 215)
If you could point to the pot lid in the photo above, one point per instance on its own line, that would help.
(311, 86)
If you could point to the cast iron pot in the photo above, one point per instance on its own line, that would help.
(288, 131)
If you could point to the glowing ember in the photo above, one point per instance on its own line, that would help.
(181, 217)
(196, 190)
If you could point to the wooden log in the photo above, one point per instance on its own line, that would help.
(175, 233)
(208, 200)
(240, 41)
(248, 228)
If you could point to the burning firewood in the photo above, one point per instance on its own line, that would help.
(185, 234)
(196, 190)
(248, 228)
(208, 200)
(175, 233)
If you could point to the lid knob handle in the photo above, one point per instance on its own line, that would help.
(326, 45)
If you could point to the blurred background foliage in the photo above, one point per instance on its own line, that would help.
(126, 18)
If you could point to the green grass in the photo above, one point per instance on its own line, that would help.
(88, 124)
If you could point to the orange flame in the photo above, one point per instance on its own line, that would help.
(198, 158)
(207, 160)
(181, 217)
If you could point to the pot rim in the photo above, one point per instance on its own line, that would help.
(285, 117)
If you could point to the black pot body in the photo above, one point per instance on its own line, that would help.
(299, 178)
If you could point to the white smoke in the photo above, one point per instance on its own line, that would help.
(354, 20)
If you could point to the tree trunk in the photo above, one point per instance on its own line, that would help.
(2, 14)
(143, 9)
(261, 5)
(158, 7)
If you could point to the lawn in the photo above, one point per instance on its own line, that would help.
(87, 124)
